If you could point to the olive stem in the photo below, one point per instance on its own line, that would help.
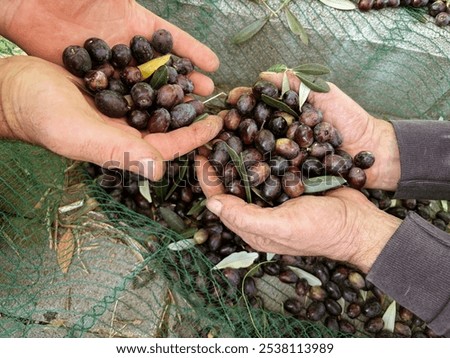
(214, 97)
(274, 13)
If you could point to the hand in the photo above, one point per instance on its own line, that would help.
(342, 225)
(45, 28)
(360, 131)
(43, 106)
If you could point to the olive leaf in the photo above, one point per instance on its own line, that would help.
(259, 195)
(295, 26)
(277, 68)
(310, 278)
(237, 260)
(323, 183)
(341, 302)
(189, 232)
(159, 78)
(144, 189)
(160, 189)
(278, 104)
(363, 294)
(172, 219)
(270, 256)
(312, 69)
(417, 13)
(182, 173)
(148, 68)
(389, 317)
(197, 208)
(239, 164)
(339, 4)
(201, 117)
(303, 93)
(444, 205)
(315, 84)
(249, 31)
(285, 84)
(182, 245)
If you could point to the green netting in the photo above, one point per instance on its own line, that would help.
(75, 263)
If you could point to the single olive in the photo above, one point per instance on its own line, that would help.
(251, 156)
(162, 41)
(312, 167)
(302, 287)
(159, 121)
(118, 86)
(141, 49)
(230, 173)
(356, 178)
(96, 80)
(169, 96)
(333, 307)
(120, 56)
(235, 143)
(265, 141)
(346, 327)
(185, 83)
(138, 119)
(323, 132)
(143, 95)
(333, 290)
(111, 104)
(374, 325)
(183, 66)
(371, 308)
(278, 126)
(335, 165)
(182, 115)
(258, 173)
(261, 113)
(106, 68)
(172, 75)
(437, 7)
(300, 158)
(288, 276)
(402, 329)
(272, 188)
(246, 103)
(319, 150)
(316, 311)
(131, 75)
(317, 293)
(77, 60)
(286, 148)
(353, 310)
(442, 19)
(292, 305)
(264, 87)
(290, 98)
(365, 5)
(98, 50)
(311, 116)
(292, 128)
(364, 159)
(248, 130)
(304, 136)
(292, 184)
(219, 156)
(232, 119)
(278, 165)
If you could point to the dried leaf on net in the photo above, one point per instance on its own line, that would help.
(312, 280)
(339, 4)
(236, 260)
(65, 250)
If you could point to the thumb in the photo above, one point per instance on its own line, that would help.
(240, 216)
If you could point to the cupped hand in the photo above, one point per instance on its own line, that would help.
(45, 28)
(40, 104)
(342, 225)
(360, 131)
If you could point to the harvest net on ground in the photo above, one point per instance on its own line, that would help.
(75, 263)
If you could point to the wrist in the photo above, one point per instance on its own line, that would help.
(377, 230)
(385, 174)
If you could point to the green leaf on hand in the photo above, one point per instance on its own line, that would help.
(159, 78)
(315, 84)
(277, 68)
(278, 104)
(312, 69)
(323, 183)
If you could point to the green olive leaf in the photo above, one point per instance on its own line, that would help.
(249, 31)
(339, 4)
(389, 317)
(172, 219)
(278, 104)
(323, 183)
(242, 259)
(295, 26)
(259, 195)
(277, 68)
(312, 69)
(417, 13)
(184, 165)
(159, 78)
(201, 117)
(312, 280)
(197, 208)
(303, 93)
(160, 189)
(189, 232)
(239, 164)
(285, 86)
(315, 84)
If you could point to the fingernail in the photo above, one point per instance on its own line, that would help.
(215, 206)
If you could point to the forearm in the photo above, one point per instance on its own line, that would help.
(413, 269)
(425, 159)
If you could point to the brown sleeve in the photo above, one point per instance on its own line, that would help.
(414, 269)
(424, 158)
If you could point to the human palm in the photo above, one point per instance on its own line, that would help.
(44, 29)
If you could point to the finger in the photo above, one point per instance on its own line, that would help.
(173, 144)
(207, 177)
(203, 85)
(185, 45)
(243, 216)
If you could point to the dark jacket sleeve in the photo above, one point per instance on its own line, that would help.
(414, 266)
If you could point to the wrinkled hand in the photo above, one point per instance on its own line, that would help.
(40, 104)
(342, 225)
(45, 28)
(360, 131)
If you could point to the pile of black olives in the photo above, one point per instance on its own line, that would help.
(280, 149)
(141, 81)
(436, 8)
